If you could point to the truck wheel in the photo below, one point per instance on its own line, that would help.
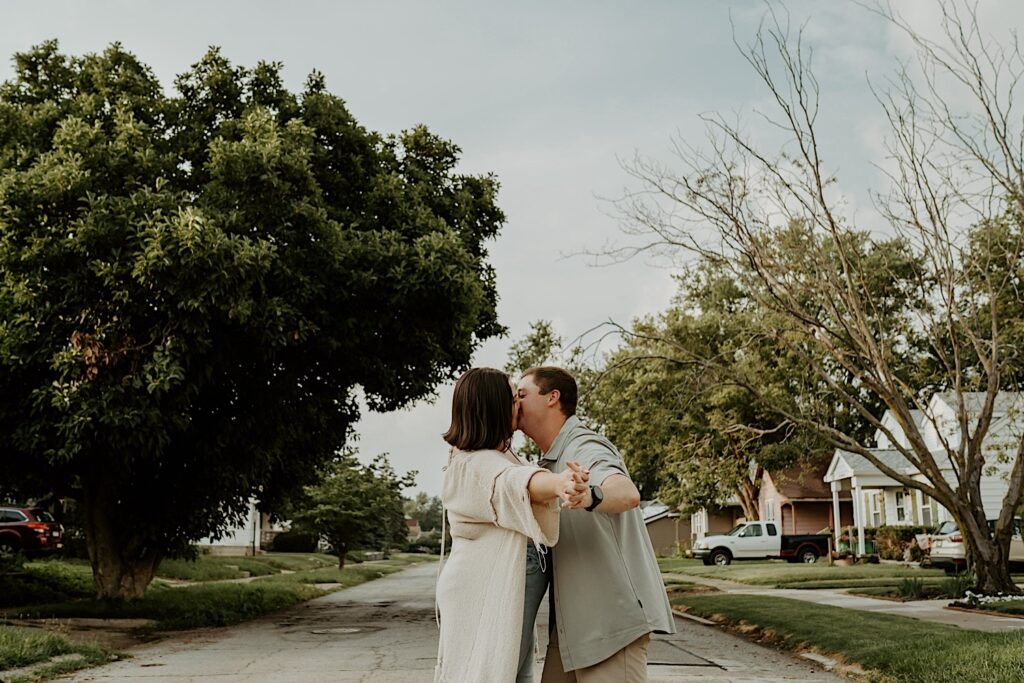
(809, 556)
(721, 558)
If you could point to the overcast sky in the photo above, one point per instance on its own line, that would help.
(548, 96)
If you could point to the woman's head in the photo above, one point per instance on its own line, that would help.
(483, 410)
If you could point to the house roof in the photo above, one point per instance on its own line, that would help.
(1006, 401)
(655, 510)
(846, 465)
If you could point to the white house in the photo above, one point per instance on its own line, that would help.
(880, 500)
(242, 539)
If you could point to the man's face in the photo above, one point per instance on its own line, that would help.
(532, 404)
(515, 406)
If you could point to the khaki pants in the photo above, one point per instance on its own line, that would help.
(628, 665)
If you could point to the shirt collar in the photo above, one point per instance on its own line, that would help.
(560, 440)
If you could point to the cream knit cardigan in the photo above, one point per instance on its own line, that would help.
(482, 584)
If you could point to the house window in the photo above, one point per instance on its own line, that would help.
(769, 510)
(875, 508)
(901, 506)
(926, 510)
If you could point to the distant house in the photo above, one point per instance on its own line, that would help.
(253, 535)
(412, 529)
(800, 501)
(243, 539)
(880, 500)
(668, 529)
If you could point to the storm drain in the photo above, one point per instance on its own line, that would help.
(344, 630)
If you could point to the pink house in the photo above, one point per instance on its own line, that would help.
(800, 501)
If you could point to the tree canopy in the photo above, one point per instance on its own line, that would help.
(195, 286)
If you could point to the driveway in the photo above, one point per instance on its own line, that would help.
(384, 631)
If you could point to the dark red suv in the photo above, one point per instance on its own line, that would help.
(29, 530)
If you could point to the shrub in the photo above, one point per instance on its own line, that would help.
(355, 556)
(891, 542)
(956, 586)
(911, 588)
(295, 542)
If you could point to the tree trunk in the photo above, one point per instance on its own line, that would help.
(342, 549)
(989, 565)
(749, 493)
(123, 563)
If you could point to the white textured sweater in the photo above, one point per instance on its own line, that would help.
(481, 586)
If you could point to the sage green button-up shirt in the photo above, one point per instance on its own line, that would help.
(607, 588)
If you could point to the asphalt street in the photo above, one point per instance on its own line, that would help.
(385, 631)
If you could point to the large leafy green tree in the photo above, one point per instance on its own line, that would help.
(194, 286)
(354, 505)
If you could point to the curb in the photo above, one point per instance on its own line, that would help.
(824, 661)
(692, 617)
(986, 612)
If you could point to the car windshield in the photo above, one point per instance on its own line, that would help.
(946, 528)
(736, 530)
(43, 516)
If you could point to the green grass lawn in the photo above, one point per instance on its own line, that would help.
(1015, 607)
(297, 561)
(47, 581)
(203, 604)
(893, 648)
(785, 575)
(21, 647)
(180, 608)
(352, 574)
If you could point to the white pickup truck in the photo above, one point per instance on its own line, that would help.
(760, 541)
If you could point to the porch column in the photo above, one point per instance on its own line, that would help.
(858, 514)
(836, 519)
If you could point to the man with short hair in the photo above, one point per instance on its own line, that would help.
(607, 595)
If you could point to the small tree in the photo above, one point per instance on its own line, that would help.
(944, 296)
(355, 506)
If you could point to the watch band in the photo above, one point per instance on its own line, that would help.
(596, 497)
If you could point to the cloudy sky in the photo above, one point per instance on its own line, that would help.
(548, 96)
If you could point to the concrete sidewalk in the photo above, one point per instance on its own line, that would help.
(927, 610)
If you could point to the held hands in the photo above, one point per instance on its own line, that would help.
(573, 487)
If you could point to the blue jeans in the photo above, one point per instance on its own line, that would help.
(536, 586)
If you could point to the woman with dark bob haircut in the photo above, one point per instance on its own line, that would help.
(496, 503)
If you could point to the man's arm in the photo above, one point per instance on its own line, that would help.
(620, 494)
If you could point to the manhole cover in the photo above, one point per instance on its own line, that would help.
(344, 630)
